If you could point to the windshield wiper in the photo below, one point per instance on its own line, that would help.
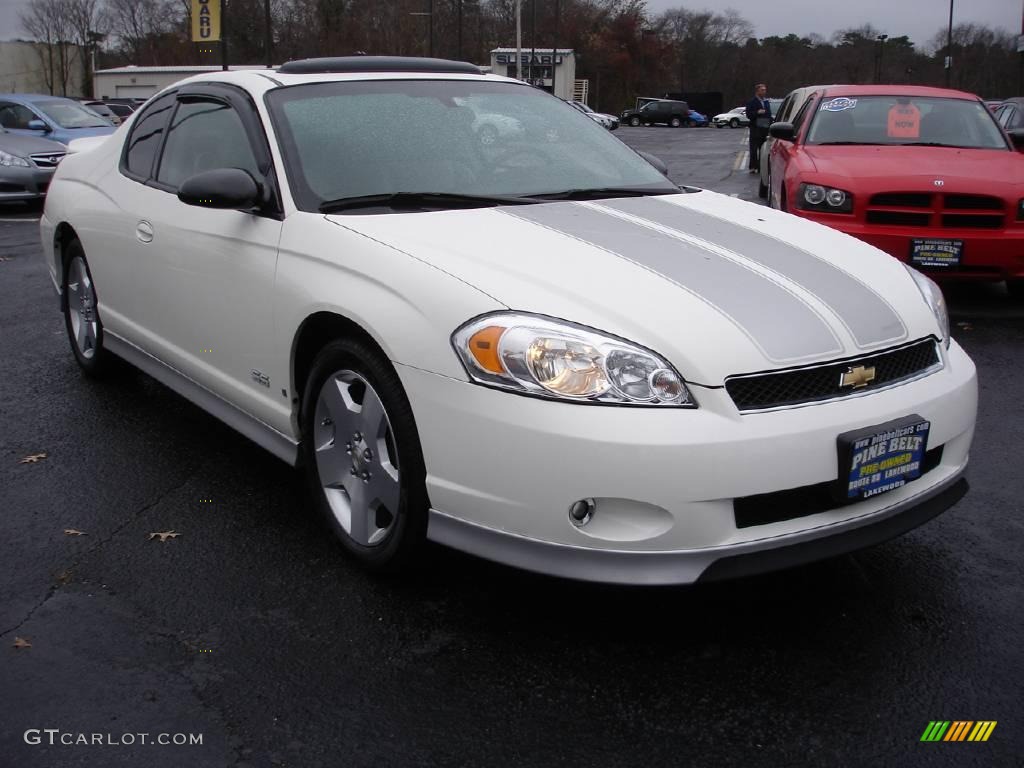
(935, 144)
(421, 200)
(848, 143)
(597, 193)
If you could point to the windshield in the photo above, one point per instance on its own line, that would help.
(904, 120)
(466, 137)
(68, 114)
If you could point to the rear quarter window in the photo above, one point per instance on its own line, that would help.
(145, 137)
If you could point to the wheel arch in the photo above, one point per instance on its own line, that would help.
(63, 235)
(313, 334)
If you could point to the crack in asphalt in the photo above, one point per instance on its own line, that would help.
(135, 516)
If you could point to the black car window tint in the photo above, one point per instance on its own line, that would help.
(204, 135)
(802, 114)
(145, 137)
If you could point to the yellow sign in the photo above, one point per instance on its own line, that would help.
(205, 20)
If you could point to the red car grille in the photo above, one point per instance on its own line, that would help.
(949, 211)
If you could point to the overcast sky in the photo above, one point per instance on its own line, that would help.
(919, 19)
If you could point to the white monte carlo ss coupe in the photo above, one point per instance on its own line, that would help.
(539, 351)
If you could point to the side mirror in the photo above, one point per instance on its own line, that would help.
(38, 125)
(220, 188)
(655, 161)
(782, 131)
(1017, 137)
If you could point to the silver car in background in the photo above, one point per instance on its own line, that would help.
(27, 165)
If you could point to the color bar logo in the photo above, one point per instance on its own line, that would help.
(958, 730)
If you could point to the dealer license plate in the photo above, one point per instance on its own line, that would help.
(882, 458)
(936, 254)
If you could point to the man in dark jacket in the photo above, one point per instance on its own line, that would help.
(759, 113)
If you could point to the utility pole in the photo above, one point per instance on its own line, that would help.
(224, 34)
(533, 38)
(459, 57)
(949, 47)
(554, 54)
(270, 36)
(519, 39)
(430, 13)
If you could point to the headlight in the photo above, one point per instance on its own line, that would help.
(550, 358)
(815, 197)
(9, 159)
(933, 297)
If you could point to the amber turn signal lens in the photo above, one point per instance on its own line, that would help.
(483, 346)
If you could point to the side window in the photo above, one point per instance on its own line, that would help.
(1008, 118)
(805, 110)
(784, 109)
(15, 115)
(204, 135)
(1016, 119)
(144, 140)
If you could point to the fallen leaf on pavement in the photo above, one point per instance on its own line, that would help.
(33, 458)
(19, 643)
(73, 532)
(64, 577)
(164, 535)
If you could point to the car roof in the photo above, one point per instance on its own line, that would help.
(897, 90)
(258, 81)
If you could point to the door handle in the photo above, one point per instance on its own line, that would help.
(144, 231)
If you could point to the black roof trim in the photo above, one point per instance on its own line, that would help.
(338, 64)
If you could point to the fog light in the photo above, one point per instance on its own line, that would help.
(581, 512)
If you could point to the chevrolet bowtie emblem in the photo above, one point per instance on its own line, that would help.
(857, 377)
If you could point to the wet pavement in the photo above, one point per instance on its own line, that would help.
(253, 630)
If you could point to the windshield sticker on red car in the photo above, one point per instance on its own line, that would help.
(904, 122)
(838, 104)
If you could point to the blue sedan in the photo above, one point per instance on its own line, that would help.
(50, 117)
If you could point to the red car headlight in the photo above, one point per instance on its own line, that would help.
(815, 197)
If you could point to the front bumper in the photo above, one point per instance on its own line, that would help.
(18, 183)
(989, 254)
(503, 471)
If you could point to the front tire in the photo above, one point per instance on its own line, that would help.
(675, 122)
(734, 123)
(635, 122)
(362, 456)
(81, 313)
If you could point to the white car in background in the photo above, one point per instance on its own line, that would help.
(734, 118)
(611, 122)
(540, 351)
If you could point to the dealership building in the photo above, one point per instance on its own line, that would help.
(554, 70)
(142, 82)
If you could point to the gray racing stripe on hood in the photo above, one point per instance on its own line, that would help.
(869, 318)
(784, 327)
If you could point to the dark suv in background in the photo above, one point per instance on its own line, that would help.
(674, 113)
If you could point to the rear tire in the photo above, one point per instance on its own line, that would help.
(362, 454)
(81, 313)
(734, 123)
(634, 121)
(675, 122)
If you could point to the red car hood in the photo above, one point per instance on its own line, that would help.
(981, 168)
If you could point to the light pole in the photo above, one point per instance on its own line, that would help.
(949, 46)
(519, 39)
(881, 57)
(429, 13)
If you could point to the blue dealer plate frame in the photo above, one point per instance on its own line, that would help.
(936, 253)
(881, 458)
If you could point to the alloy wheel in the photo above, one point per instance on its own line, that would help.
(82, 308)
(356, 458)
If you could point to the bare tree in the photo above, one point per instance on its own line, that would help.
(47, 22)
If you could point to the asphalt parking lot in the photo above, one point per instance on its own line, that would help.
(252, 629)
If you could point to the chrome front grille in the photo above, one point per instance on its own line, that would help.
(47, 159)
(808, 384)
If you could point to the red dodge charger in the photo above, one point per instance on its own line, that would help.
(925, 174)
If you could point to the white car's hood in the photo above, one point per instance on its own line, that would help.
(716, 285)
